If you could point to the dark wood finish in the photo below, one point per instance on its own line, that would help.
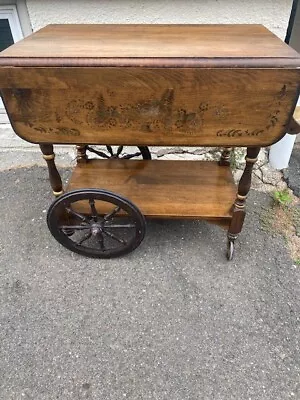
(225, 157)
(236, 224)
(151, 45)
(238, 214)
(54, 177)
(81, 155)
(188, 107)
(245, 181)
(96, 238)
(294, 127)
(189, 189)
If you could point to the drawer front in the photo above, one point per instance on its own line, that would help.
(150, 106)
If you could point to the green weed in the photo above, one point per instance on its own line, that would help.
(282, 197)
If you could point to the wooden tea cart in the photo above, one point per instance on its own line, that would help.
(148, 85)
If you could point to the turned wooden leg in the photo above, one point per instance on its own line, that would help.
(81, 156)
(239, 212)
(225, 156)
(54, 177)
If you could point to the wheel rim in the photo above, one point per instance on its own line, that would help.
(230, 250)
(104, 224)
(138, 152)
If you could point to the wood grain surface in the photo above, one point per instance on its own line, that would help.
(154, 45)
(150, 106)
(187, 189)
(176, 103)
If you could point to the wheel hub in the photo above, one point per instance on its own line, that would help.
(96, 229)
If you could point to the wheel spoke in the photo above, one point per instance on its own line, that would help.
(110, 150)
(77, 227)
(112, 213)
(128, 156)
(99, 153)
(101, 242)
(85, 238)
(119, 151)
(93, 209)
(120, 226)
(76, 214)
(111, 235)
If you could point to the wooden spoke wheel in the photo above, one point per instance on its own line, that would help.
(230, 250)
(141, 152)
(96, 223)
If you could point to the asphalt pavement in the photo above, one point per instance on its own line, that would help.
(292, 173)
(174, 320)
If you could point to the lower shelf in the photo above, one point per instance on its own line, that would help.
(163, 189)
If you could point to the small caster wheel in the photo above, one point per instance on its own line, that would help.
(96, 223)
(230, 250)
(143, 152)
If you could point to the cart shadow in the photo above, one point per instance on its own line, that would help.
(183, 236)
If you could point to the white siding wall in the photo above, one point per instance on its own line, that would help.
(274, 14)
